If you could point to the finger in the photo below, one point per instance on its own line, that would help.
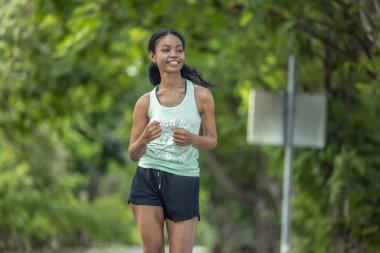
(154, 129)
(155, 136)
(178, 143)
(152, 125)
(155, 132)
(155, 122)
(177, 130)
(178, 137)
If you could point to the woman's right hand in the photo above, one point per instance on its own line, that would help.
(143, 131)
(151, 132)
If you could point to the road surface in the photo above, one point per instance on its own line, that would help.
(197, 249)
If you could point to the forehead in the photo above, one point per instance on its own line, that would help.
(170, 40)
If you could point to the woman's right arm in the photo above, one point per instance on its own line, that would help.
(143, 131)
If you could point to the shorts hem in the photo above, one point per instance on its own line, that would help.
(142, 202)
(183, 218)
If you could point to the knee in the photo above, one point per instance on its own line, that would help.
(153, 245)
(152, 242)
(153, 249)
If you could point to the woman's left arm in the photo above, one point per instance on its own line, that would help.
(208, 140)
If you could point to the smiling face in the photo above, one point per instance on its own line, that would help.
(169, 55)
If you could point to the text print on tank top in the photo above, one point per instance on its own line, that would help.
(162, 153)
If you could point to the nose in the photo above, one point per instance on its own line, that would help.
(173, 53)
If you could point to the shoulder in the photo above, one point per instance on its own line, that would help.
(143, 101)
(202, 93)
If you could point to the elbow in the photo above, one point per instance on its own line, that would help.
(133, 156)
(134, 159)
(214, 144)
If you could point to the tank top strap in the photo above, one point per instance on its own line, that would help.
(190, 97)
(153, 102)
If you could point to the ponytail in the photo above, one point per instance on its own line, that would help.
(154, 74)
(194, 76)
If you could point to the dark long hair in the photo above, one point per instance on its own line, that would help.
(187, 72)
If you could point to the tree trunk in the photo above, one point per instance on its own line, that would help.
(267, 230)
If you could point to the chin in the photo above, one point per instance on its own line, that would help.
(173, 70)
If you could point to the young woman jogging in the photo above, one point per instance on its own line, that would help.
(165, 140)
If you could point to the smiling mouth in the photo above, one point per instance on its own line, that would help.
(173, 63)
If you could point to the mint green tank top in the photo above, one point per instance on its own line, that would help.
(162, 153)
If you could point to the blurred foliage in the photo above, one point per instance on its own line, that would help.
(71, 72)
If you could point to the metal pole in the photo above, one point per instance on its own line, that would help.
(287, 181)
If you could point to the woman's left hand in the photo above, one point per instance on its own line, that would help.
(182, 137)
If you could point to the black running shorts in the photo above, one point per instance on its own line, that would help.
(177, 195)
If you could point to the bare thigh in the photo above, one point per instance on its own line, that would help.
(150, 221)
(182, 235)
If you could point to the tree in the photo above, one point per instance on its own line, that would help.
(71, 73)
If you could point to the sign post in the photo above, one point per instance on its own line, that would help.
(289, 120)
(287, 181)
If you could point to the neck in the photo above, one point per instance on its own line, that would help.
(171, 81)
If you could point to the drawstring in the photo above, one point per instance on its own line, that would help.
(162, 175)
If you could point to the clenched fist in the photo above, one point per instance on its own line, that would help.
(152, 131)
(182, 137)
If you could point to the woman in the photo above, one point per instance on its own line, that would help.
(165, 140)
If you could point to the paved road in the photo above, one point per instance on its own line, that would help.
(197, 249)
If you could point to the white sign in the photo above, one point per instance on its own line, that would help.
(266, 117)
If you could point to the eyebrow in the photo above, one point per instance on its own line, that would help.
(166, 45)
